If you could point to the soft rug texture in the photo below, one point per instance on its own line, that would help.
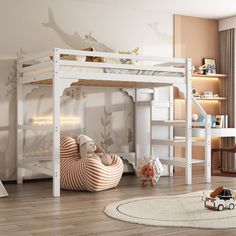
(179, 211)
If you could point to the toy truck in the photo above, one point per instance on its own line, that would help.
(220, 199)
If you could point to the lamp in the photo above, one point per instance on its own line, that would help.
(43, 120)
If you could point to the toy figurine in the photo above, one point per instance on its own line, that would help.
(220, 199)
(149, 169)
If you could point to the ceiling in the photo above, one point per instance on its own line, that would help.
(212, 9)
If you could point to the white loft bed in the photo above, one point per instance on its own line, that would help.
(149, 72)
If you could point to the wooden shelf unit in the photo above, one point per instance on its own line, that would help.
(209, 76)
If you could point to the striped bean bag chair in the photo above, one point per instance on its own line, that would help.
(87, 174)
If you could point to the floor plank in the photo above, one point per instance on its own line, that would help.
(31, 210)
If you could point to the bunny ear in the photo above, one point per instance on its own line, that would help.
(83, 151)
(99, 149)
(77, 138)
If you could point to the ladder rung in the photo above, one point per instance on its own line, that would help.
(143, 103)
(199, 143)
(157, 104)
(179, 161)
(146, 90)
(177, 142)
(168, 122)
(201, 124)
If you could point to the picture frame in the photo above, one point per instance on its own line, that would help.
(210, 65)
(219, 121)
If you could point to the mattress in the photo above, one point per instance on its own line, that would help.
(63, 68)
(105, 70)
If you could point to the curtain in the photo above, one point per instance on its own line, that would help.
(227, 66)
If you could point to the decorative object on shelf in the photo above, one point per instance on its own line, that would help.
(213, 121)
(210, 65)
(201, 69)
(135, 51)
(219, 121)
(207, 94)
(149, 169)
(194, 92)
(193, 69)
(194, 117)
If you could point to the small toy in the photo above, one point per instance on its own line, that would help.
(88, 149)
(194, 117)
(149, 169)
(220, 199)
(135, 51)
(201, 69)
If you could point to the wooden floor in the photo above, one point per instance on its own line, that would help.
(31, 210)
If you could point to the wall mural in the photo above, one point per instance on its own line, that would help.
(107, 115)
(162, 36)
(8, 120)
(109, 121)
(75, 41)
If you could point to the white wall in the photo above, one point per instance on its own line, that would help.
(21, 26)
(107, 27)
(228, 23)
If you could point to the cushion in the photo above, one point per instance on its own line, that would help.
(68, 147)
(87, 174)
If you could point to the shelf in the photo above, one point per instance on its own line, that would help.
(210, 75)
(206, 99)
(212, 99)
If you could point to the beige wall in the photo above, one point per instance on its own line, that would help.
(196, 38)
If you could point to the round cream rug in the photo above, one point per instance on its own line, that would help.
(179, 211)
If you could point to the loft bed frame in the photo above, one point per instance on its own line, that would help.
(53, 68)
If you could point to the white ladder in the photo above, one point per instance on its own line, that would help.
(161, 126)
(171, 139)
(3, 191)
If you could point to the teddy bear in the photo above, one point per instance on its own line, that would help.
(88, 149)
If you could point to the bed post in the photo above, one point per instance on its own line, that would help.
(208, 149)
(20, 122)
(188, 120)
(56, 123)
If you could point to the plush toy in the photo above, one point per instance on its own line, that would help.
(201, 69)
(88, 149)
(148, 172)
(149, 169)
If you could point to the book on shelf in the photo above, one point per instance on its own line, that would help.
(221, 121)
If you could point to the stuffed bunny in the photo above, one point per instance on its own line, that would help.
(88, 149)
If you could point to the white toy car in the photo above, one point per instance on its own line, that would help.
(220, 199)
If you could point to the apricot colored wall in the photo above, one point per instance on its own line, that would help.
(196, 38)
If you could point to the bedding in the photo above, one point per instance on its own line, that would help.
(105, 70)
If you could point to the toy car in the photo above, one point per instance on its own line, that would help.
(220, 199)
